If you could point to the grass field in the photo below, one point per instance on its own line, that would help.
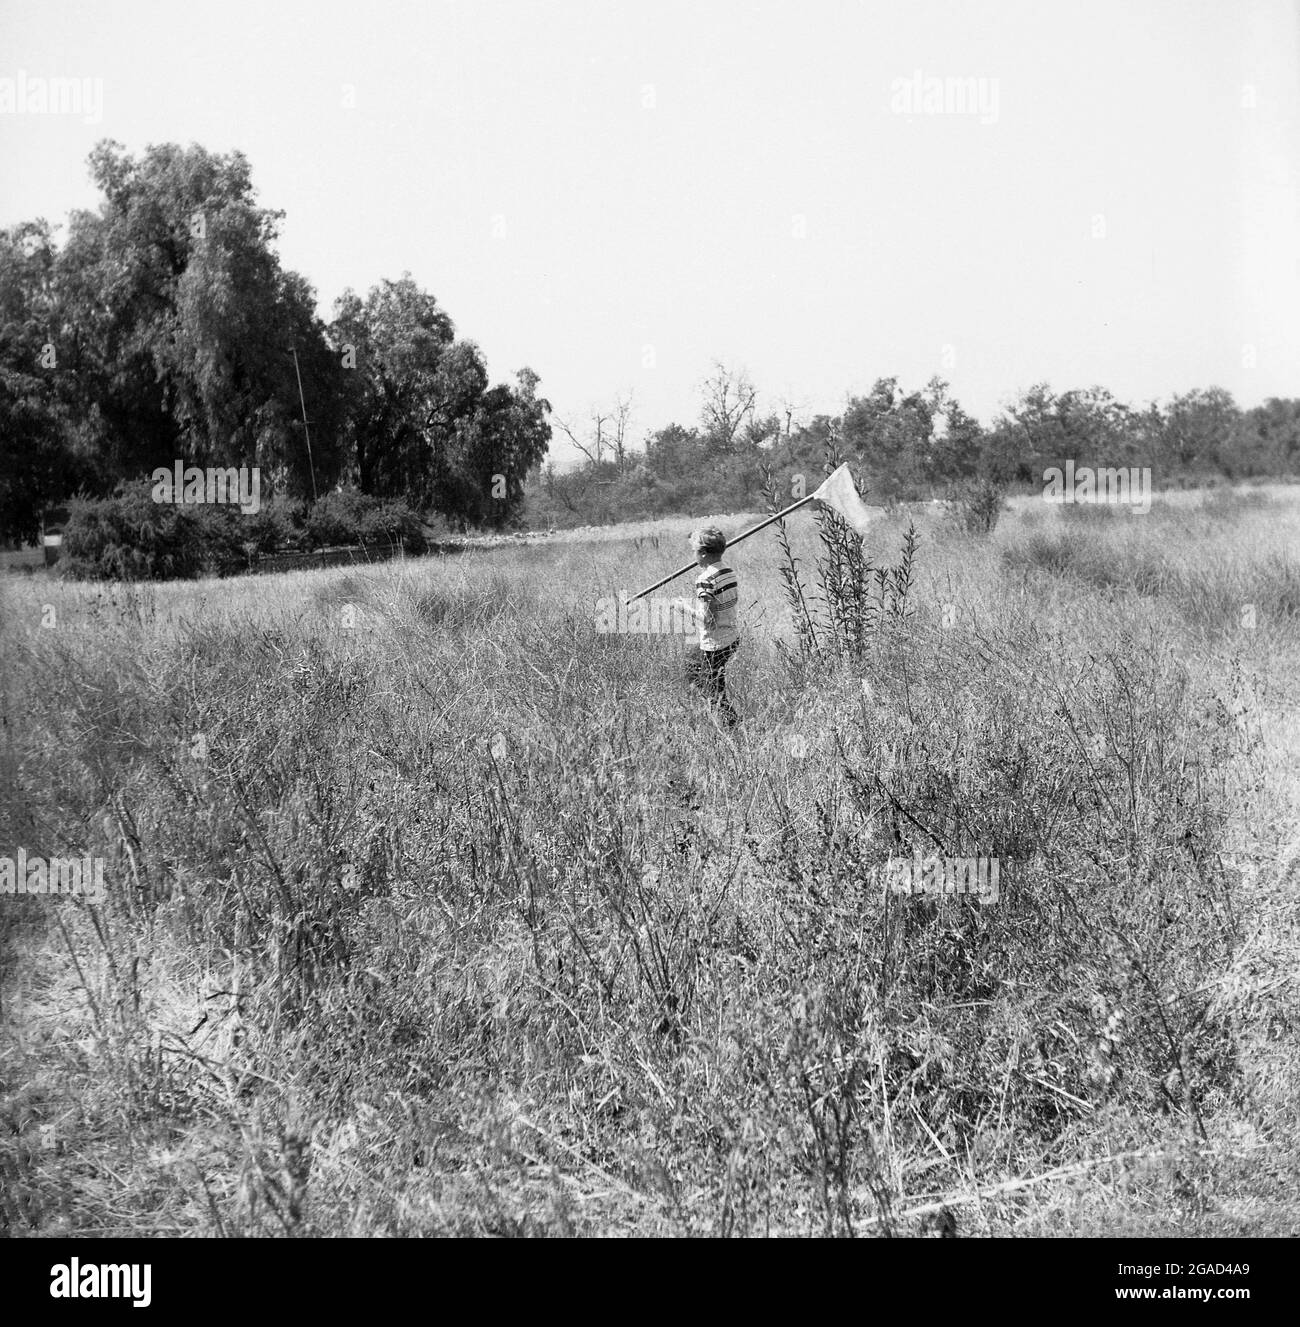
(430, 909)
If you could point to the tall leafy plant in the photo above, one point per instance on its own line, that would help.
(850, 595)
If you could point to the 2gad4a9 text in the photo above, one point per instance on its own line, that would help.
(1186, 1269)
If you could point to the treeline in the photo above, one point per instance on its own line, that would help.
(164, 328)
(908, 446)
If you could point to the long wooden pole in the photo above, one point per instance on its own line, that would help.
(311, 465)
(762, 525)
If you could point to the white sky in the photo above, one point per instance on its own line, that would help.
(580, 181)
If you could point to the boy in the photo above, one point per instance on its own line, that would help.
(717, 594)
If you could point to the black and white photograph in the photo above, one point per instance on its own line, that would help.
(638, 620)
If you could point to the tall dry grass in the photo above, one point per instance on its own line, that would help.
(433, 910)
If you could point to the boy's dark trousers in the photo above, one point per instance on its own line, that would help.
(704, 668)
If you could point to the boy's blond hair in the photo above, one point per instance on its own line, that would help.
(709, 539)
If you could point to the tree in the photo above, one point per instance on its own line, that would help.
(606, 432)
(505, 438)
(178, 322)
(622, 416)
(761, 431)
(1095, 428)
(1264, 441)
(409, 382)
(591, 442)
(672, 450)
(1198, 428)
(37, 464)
(166, 330)
(957, 450)
(1027, 438)
(424, 423)
(728, 403)
(890, 432)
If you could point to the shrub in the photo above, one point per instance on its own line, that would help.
(276, 525)
(225, 540)
(355, 518)
(336, 519)
(131, 537)
(853, 597)
(978, 504)
(392, 523)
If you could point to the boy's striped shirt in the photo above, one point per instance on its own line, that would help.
(718, 591)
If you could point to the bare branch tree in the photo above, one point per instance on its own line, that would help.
(622, 416)
(789, 409)
(729, 399)
(606, 432)
(593, 446)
